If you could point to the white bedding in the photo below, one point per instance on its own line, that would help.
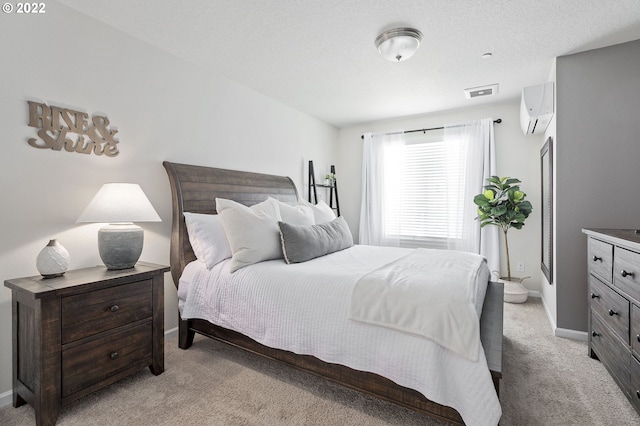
(427, 293)
(303, 308)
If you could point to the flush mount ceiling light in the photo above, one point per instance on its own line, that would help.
(398, 44)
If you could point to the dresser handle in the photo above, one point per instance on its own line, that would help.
(114, 308)
(638, 393)
(113, 355)
(638, 337)
(595, 296)
(594, 334)
(612, 312)
(596, 258)
(626, 274)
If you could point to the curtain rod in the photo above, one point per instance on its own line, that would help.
(498, 121)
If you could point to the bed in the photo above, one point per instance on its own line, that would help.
(195, 189)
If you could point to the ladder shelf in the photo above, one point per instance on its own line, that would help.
(333, 188)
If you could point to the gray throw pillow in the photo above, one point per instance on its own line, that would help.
(305, 242)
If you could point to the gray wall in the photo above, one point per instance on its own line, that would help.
(597, 149)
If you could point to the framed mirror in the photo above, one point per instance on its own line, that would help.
(546, 175)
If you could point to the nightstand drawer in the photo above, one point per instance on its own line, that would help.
(600, 259)
(95, 361)
(626, 273)
(612, 308)
(90, 313)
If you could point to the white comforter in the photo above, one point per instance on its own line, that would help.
(303, 308)
(426, 293)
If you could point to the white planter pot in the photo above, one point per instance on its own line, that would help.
(514, 291)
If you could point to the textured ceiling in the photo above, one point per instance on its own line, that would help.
(318, 56)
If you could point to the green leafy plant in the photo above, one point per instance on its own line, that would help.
(330, 177)
(502, 204)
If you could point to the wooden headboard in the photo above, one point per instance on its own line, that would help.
(195, 189)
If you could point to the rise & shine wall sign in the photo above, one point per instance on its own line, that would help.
(60, 128)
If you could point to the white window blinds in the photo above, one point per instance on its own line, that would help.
(424, 190)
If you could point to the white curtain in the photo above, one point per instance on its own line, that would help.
(476, 140)
(377, 150)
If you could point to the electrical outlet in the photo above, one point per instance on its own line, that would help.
(520, 267)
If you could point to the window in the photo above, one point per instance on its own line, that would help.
(424, 191)
(418, 189)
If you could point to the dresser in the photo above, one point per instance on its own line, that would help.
(614, 305)
(77, 333)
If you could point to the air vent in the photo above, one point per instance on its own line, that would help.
(476, 92)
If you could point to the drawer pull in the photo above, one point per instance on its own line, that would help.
(638, 337)
(595, 296)
(594, 334)
(114, 308)
(612, 312)
(596, 258)
(638, 393)
(113, 355)
(626, 274)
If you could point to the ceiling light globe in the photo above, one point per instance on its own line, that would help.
(398, 44)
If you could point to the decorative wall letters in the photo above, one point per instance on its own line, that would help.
(56, 123)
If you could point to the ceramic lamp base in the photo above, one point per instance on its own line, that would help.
(120, 245)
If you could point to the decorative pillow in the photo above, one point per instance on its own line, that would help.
(207, 238)
(301, 243)
(252, 231)
(297, 214)
(322, 213)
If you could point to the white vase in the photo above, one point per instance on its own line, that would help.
(53, 260)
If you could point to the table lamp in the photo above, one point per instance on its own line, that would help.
(119, 205)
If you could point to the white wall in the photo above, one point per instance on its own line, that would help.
(516, 155)
(164, 109)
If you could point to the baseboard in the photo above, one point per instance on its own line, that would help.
(536, 294)
(552, 322)
(6, 398)
(565, 333)
(171, 331)
(571, 334)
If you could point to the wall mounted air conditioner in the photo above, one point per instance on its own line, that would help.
(536, 108)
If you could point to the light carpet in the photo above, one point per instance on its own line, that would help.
(547, 381)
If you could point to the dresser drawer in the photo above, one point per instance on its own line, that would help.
(91, 313)
(612, 353)
(635, 383)
(626, 273)
(89, 363)
(600, 259)
(635, 329)
(612, 308)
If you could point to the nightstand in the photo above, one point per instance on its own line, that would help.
(77, 333)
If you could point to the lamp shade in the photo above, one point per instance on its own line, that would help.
(117, 203)
(120, 204)
(398, 44)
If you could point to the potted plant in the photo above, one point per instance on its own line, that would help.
(503, 204)
(329, 178)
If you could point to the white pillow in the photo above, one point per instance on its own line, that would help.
(295, 214)
(207, 238)
(322, 213)
(253, 232)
